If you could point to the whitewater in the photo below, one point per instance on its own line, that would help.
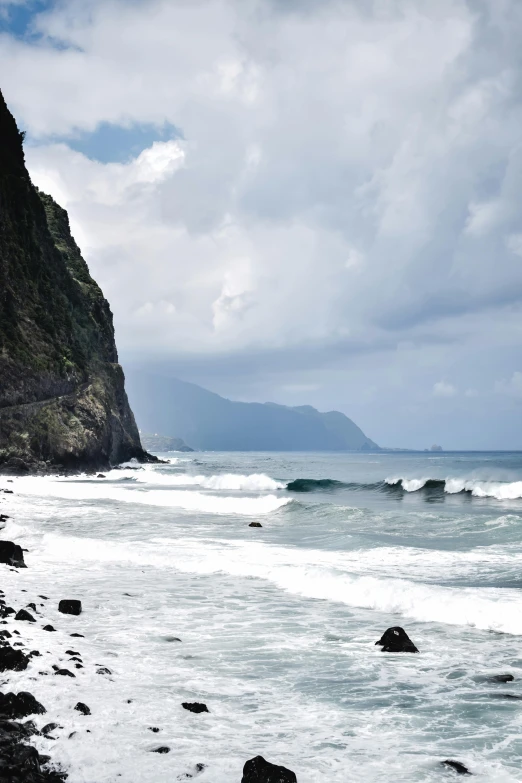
(274, 627)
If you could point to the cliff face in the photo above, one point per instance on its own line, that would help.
(62, 394)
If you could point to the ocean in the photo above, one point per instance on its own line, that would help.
(274, 628)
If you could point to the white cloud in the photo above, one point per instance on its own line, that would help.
(443, 389)
(511, 387)
(348, 179)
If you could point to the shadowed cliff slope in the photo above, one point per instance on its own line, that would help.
(62, 395)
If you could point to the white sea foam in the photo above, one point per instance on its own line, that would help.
(255, 482)
(486, 489)
(186, 500)
(357, 579)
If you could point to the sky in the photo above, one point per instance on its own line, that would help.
(303, 201)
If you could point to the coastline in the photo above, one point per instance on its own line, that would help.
(43, 640)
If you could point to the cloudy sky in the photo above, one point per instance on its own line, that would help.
(304, 201)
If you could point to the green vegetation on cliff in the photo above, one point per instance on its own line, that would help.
(62, 395)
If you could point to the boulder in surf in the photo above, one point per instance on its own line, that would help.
(194, 706)
(11, 554)
(19, 705)
(23, 614)
(258, 770)
(70, 606)
(457, 766)
(396, 639)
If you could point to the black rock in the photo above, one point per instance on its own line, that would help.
(162, 749)
(459, 768)
(49, 727)
(11, 554)
(257, 770)
(103, 670)
(501, 678)
(32, 606)
(80, 635)
(63, 672)
(44, 597)
(396, 640)
(19, 705)
(27, 729)
(194, 706)
(49, 628)
(11, 659)
(255, 524)
(70, 606)
(35, 654)
(5, 611)
(23, 614)
(83, 708)
(5, 635)
(71, 652)
(100, 475)
(154, 729)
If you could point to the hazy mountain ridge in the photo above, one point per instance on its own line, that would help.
(210, 422)
(62, 395)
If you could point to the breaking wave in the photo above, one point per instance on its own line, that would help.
(500, 490)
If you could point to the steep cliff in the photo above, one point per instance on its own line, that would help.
(62, 394)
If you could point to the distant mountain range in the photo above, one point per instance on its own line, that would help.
(209, 422)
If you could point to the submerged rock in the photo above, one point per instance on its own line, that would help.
(83, 708)
(162, 749)
(197, 769)
(501, 678)
(255, 524)
(194, 706)
(20, 705)
(70, 606)
(258, 770)
(11, 554)
(458, 766)
(49, 628)
(396, 640)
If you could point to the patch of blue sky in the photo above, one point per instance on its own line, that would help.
(112, 143)
(16, 17)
